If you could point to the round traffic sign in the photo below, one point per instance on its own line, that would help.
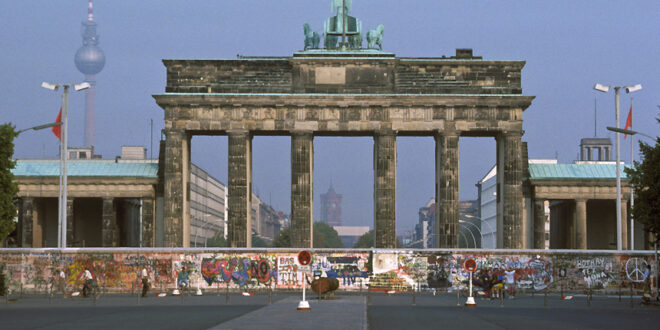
(470, 265)
(304, 257)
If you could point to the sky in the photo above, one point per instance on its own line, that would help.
(568, 46)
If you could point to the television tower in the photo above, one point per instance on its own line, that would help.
(89, 60)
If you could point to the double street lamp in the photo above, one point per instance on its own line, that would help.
(61, 215)
(629, 89)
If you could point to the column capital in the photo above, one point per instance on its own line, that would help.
(385, 132)
(301, 132)
(238, 132)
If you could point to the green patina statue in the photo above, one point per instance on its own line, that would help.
(312, 38)
(375, 37)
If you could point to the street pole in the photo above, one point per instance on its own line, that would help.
(63, 160)
(632, 192)
(619, 241)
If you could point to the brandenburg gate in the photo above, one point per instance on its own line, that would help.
(343, 91)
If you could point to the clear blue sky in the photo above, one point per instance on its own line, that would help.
(568, 46)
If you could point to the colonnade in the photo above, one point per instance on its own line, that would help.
(177, 214)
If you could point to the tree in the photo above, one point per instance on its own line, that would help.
(218, 240)
(325, 236)
(365, 241)
(257, 241)
(8, 187)
(283, 239)
(645, 177)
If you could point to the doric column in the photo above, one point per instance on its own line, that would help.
(240, 189)
(109, 228)
(302, 189)
(27, 218)
(581, 224)
(176, 221)
(446, 190)
(509, 167)
(624, 224)
(70, 238)
(539, 224)
(385, 189)
(148, 219)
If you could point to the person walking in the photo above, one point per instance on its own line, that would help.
(510, 276)
(145, 281)
(87, 284)
(61, 282)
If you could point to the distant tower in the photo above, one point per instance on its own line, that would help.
(89, 60)
(331, 207)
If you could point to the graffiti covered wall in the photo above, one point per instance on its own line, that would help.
(118, 269)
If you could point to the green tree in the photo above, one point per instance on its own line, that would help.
(325, 236)
(257, 241)
(365, 241)
(217, 241)
(283, 239)
(645, 177)
(8, 187)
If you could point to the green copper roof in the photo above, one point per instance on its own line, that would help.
(574, 171)
(86, 168)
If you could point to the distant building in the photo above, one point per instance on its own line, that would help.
(331, 207)
(349, 235)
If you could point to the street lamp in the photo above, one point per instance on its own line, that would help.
(61, 215)
(629, 89)
(470, 230)
(40, 127)
(482, 221)
(474, 240)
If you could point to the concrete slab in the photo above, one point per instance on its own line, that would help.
(343, 312)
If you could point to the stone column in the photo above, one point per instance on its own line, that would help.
(581, 224)
(70, 237)
(539, 224)
(27, 218)
(240, 189)
(446, 190)
(109, 226)
(148, 220)
(175, 211)
(509, 167)
(302, 189)
(624, 224)
(385, 189)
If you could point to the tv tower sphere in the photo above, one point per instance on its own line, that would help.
(89, 58)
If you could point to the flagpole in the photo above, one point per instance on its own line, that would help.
(65, 137)
(632, 192)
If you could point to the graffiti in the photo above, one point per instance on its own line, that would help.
(635, 268)
(119, 271)
(239, 270)
(287, 272)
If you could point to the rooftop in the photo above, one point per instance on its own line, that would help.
(87, 168)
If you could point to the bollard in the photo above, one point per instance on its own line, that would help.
(414, 296)
(360, 288)
(501, 298)
(561, 290)
(20, 294)
(227, 294)
(620, 283)
(94, 299)
(182, 294)
(368, 297)
(138, 297)
(458, 296)
(545, 297)
(270, 295)
(632, 305)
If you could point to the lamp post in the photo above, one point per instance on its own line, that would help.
(629, 89)
(470, 230)
(631, 133)
(40, 127)
(482, 221)
(61, 215)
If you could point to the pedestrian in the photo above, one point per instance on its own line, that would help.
(511, 282)
(87, 282)
(182, 278)
(145, 281)
(61, 282)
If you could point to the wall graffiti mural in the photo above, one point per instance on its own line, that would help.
(118, 270)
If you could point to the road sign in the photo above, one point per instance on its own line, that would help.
(304, 257)
(470, 265)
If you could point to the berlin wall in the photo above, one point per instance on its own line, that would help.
(117, 269)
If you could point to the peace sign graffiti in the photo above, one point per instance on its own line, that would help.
(635, 269)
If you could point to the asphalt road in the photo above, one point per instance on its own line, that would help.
(345, 312)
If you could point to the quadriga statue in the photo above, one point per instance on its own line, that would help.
(375, 37)
(312, 38)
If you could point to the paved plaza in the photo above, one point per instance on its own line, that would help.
(346, 311)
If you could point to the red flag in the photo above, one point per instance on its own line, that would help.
(628, 121)
(57, 130)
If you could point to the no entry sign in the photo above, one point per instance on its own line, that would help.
(304, 257)
(470, 265)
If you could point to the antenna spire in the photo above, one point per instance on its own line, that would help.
(90, 12)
